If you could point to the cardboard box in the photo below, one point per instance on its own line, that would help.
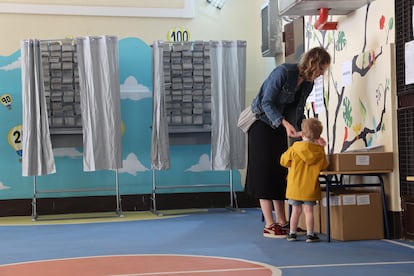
(302, 221)
(360, 161)
(355, 215)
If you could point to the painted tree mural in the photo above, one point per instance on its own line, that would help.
(356, 114)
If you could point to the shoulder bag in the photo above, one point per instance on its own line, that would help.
(246, 119)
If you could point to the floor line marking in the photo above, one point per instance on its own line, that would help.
(400, 243)
(349, 264)
(193, 271)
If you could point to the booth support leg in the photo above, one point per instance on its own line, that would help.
(34, 200)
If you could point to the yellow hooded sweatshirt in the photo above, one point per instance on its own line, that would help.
(305, 160)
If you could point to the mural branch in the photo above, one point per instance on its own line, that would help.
(355, 129)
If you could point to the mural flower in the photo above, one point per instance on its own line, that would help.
(382, 22)
(357, 128)
(389, 27)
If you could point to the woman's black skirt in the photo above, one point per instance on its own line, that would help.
(266, 178)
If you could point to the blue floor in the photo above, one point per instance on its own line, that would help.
(220, 233)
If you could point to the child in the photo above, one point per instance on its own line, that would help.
(305, 159)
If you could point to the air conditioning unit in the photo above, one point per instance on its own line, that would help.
(272, 29)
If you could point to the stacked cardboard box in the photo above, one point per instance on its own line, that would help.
(360, 161)
(354, 215)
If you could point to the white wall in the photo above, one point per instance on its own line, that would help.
(239, 19)
(369, 34)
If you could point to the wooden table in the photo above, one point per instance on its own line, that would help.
(334, 180)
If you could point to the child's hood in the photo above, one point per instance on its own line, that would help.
(311, 153)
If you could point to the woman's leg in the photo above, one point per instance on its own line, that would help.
(279, 206)
(267, 209)
(271, 230)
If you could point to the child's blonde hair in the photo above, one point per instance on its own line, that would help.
(312, 128)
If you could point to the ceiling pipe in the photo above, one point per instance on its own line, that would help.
(322, 24)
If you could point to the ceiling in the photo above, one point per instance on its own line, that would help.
(311, 7)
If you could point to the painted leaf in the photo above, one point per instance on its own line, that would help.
(369, 143)
(378, 95)
(341, 42)
(379, 92)
(362, 109)
(374, 125)
(390, 23)
(364, 56)
(347, 112)
(345, 134)
(330, 37)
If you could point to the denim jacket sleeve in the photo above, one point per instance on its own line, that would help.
(276, 92)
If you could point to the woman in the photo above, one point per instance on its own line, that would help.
(280, 106)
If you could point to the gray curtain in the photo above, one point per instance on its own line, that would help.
(160, 157)
(37, 158)
(100, 102)
(228, 76)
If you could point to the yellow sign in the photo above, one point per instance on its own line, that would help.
(15, 139)
(6, 100)
(178, 35)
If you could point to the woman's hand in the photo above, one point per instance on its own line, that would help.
(290, 130)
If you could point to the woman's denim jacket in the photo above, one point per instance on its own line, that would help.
(278, 98)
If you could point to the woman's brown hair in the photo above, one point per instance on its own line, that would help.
(312, 61)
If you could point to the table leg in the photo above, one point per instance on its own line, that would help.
(328, 205)
(384, 207)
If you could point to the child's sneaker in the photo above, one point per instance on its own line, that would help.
(312, 238)
(291, 237)
(299, 230)
(274, 231)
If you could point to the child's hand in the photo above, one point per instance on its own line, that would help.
(321, 141)
(290, 130)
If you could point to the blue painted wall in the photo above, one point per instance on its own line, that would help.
(189, 163)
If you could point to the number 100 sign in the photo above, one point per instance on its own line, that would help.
(178, 35)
